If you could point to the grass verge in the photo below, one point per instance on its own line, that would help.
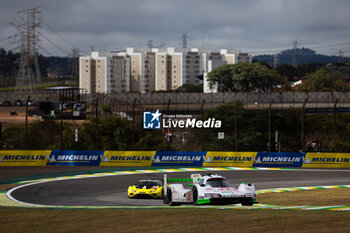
(183, 220)
(173, 220)
(319, 197)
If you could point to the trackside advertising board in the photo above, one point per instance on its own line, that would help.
(24, 157)
(229, 159)
(75, 158)
(179, 158)
(266, 159)
(173, 159)
(127, 158)
(327, 160)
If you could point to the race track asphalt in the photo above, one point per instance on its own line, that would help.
(112, 190)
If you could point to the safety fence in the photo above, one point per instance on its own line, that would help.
(173, 159)
(315, 99)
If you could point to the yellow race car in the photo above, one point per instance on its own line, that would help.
(146, 189)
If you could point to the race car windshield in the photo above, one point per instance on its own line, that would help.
(148, 184)
(218, 183)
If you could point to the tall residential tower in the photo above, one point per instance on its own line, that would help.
(152, 69)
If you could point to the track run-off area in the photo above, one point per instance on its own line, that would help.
(109, 189)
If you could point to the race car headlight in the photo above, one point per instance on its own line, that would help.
(212, 195)
(250, 195)
(133, 190)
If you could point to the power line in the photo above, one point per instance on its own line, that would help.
(265, 51)
(4, 38)
(56, 64)
(59, 48)
(149, 44)
(6, 41)
(330, 45)
(46, 51)
(305, 46)
(13, 49)
(5, 45)
(60, 36)
(48, 67)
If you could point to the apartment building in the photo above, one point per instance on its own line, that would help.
(234, 57)
(211, 61)
(146, 70)
(161, 74)
(105, 73)
(120, 74)
(175, 68)
(149, 82)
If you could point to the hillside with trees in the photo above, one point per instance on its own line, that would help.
(324, 80)
(303, 56)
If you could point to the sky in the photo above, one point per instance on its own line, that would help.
(254, 26)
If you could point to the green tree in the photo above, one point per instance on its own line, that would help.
(152, 141)
(287, 70)
(252, 129)
(209, 140)
(320, 130)
(113, 133)
(14, 138)
(324, 80)
(106, 108)
(42, 134)
(190, 88)
(245, 77)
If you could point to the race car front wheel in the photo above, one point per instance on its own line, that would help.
(248, 202)
(195, 195)
(169, 198)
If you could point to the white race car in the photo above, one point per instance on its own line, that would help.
(209, 189)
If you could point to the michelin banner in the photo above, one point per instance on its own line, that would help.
(127, 158)
(24, 157)
(229, 159)
(266, 159)
(173, 159)
(179, 158)
(327, 160)
(75, 158)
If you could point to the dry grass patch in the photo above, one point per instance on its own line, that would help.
(5, 187)
(171, 220)
(323, 197)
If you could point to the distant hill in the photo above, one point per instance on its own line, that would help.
(304, 56)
